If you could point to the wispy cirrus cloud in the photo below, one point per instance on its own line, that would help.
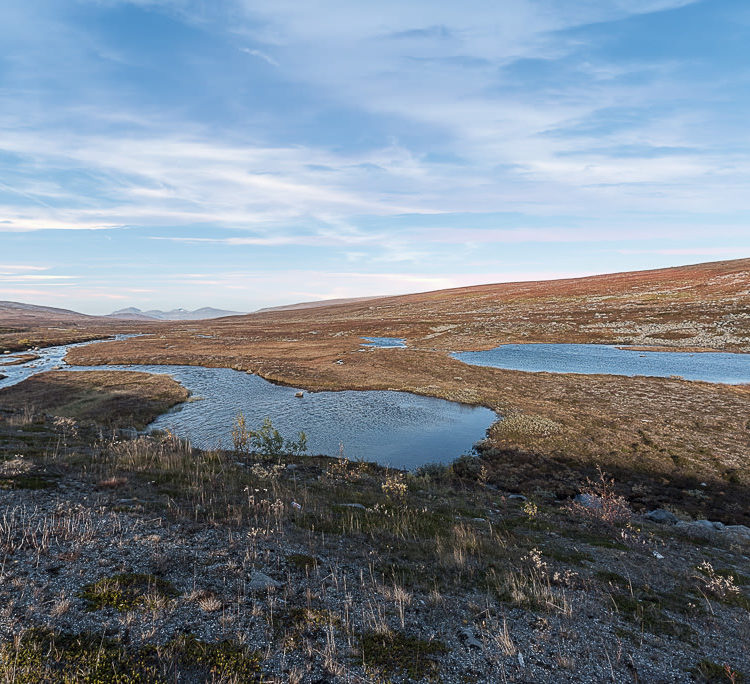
(260, 55)
(23, 278)
(8, 269)
(727, 252)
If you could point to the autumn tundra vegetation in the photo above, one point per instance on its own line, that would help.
(599, 532)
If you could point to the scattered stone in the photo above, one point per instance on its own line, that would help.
(516, 497)
(259, 581)
(663, 517)
(466, 635)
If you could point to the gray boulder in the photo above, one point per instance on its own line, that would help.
(259, 581)
(466, 634)
(662, 517)
(699, 527)
(739, 531)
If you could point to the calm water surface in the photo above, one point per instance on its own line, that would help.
(599, 358)
(393, 428)
(385, 342)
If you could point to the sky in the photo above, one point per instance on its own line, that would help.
(241, 154)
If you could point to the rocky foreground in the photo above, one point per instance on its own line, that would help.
(143, 559)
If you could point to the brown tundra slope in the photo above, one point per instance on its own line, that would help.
(666, 440)
(701, 306)
(25, 326)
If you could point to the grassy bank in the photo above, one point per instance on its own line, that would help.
(111, 398)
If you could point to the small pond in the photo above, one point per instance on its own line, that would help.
(399, 429)
(393, 428)
(718, 367)
(385, 342)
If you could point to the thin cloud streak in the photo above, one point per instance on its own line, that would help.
(7, 269)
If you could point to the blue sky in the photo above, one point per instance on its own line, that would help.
(250, 153)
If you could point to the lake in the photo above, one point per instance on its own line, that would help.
(720, 367)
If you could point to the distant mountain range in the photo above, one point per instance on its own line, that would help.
(131, 313)
(20, 313)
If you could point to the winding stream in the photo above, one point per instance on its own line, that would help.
(393, 428)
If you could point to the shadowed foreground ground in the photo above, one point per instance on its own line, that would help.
(145, 560)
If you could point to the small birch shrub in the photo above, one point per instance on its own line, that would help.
(266, 441)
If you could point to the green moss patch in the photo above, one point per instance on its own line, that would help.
(302, 561)
(126, 591)
(593, 539)
(572, 556)
(221, 660)
(28, 482)
(400, 522)
(612, 577)
(46, 656)
(648, 610)
(301, 620)
(711, 673)
(398, 653)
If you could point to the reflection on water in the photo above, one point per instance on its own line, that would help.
(600, 358)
